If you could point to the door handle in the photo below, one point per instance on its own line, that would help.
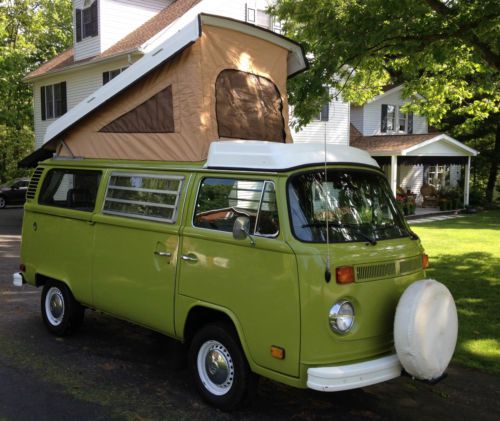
(189, 258)
(163, 253)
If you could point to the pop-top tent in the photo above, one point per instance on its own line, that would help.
(213, 79)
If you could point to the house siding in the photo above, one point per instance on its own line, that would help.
(79, 85)
(336, 129)
(120, 17)
(372, 115)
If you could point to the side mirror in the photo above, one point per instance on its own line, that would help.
(241, 229)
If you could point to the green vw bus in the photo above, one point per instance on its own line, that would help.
(280, 260)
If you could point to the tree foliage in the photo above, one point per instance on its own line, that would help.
(447, 51)
(31, 32)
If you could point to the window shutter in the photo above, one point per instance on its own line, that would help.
(42, 99)
(93, 18)
(105, 78)
(325, 112)
(383, 123)
(78, 24)
(410, 123)
(64, 102)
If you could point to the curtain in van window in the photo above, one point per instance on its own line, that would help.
(249, 107)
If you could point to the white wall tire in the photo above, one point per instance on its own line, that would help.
(61, 313)
(426, 329)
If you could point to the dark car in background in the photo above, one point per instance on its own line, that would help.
(13, 192)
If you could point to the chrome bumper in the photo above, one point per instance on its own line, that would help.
(353, 376)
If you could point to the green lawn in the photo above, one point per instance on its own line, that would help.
(465, 256)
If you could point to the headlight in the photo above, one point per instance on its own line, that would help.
(341, 317)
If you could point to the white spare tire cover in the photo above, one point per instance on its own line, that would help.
(425, 329)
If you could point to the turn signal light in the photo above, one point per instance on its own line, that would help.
(425, 261)
(277, 352)
(344, 275)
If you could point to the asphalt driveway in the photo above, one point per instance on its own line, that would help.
(115, 370)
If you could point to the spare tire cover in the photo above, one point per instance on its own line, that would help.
(425, 329)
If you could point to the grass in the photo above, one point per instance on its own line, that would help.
(465, 256)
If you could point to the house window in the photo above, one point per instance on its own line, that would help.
(250, 15)
(263, 19)
(323, 115)
(86, 22)
(394, 120)
(111, 74)
(53, 100)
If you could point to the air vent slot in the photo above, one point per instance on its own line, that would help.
(410, 265)
(377, 271)
(35, 178)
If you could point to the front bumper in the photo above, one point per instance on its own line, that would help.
(18, 279)
(353, 376)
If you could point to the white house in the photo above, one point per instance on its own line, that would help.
(110, 35)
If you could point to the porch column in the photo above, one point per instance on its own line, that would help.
(394, 174)
(467, 181)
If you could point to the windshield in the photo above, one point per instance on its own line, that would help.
(355, 205)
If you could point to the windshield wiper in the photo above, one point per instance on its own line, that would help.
(353, 227)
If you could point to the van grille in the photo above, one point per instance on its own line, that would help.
(388, 269)
(410, 265)
(378, 271)
(35, 178)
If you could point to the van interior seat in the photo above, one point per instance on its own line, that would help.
(79, 198)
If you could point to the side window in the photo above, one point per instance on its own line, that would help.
(222, 200)
(72, 189)
(144, 196)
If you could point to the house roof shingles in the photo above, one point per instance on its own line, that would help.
(127, 44)
(388, 143)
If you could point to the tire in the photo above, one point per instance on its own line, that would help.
(234, 383)
(61, 313)
(3, 202)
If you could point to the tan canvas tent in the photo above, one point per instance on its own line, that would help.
(215, 78)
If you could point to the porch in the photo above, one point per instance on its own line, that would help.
(433, 170)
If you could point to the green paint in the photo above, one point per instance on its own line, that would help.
(274, 292)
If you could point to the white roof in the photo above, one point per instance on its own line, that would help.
(178, 36)
(260, 155)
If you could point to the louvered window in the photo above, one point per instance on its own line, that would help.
(35, 178)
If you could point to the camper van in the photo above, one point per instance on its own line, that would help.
(287, 261)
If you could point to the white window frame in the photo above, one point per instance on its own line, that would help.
(141, 176)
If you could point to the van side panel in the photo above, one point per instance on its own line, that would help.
(56, 243)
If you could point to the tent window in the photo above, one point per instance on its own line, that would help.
(156, 115)
(249, 107)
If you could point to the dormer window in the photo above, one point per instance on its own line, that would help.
(86, 21)
(394, 120)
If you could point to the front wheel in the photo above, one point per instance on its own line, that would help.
(61, 313)
(3, 202)
(219, 367)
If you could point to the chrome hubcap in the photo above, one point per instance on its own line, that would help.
(54, 306)
(215, 367)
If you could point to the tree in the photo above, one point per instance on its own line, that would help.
(447, 51)
(31, 32)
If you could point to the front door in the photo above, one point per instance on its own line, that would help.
(136, 246)
(254, 279)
